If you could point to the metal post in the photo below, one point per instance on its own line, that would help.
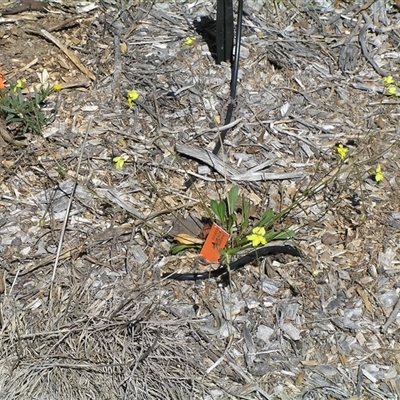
(224, 31)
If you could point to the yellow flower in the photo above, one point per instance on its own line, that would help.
(379, 175)
(132, 95)
(342, 151)
(390, 85)
(20, 84)
(120, 161)
(189, 41)
(388, 80)
(57, 87)
(391, 90)
(257, 237)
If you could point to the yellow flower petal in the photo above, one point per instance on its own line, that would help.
(379, 175)
(132, 95)
(189, 41)
(391, 90)
(119, 161)
(259, 230)
(342, 151)
(19, 84)
(390, 85)
(257, 236)
(57, 87)
(388, 80)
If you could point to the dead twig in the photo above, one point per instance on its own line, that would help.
(64, 49)
(392, 316)
(67, 211)
(207, 157)
(362, 39)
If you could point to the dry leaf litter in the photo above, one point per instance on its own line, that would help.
(83, 311)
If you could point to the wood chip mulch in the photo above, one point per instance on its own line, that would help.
(84, 313)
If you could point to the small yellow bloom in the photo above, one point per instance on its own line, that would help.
(257, 237)
(57, 87)
(342, 151)
(132, 95)
(20, 84)
(379, 175)
(390, 85)
(120, 161)
(388, 80)
(391, 90)
(189, 41)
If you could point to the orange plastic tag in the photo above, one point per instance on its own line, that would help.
(216, 241)
(1, 79)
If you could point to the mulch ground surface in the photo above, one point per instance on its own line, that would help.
(84, 310)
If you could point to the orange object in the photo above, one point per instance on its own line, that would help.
(1, 79)
(216, 241)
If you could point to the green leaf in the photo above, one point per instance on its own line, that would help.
(233, 251)
(13, 118)
(270, 235)
(20, 96)
(227, 254)
(222, 211)
(286, 234)
(232, 199)
(215, 208)
(177, 248)
(219, 209)
(281, 235)
(245, 215)
(8, 110)
(230, 222)
(266, 218)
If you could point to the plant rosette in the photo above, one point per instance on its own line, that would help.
(233, 216)
(25, 110)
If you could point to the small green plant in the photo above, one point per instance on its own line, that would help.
(24, 110)
(234, 215)
(245, 230)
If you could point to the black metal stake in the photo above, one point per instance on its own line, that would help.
(235, 69)
(224, 31)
